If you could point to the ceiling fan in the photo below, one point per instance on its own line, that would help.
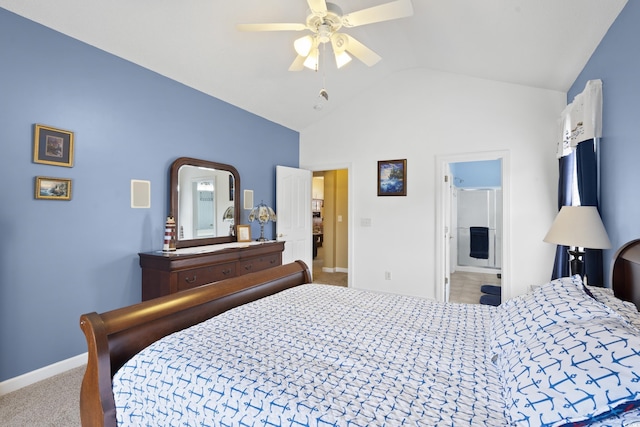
(324, 21)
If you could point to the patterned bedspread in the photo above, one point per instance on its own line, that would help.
(319, 355)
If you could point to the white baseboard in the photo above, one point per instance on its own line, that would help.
(16, 383)
(485, 270)
(335, 270)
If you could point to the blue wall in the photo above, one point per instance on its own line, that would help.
(477, 174)
(61, 259)
(617, 63)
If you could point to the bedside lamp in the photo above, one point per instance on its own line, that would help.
(580, 227)
(262, 213)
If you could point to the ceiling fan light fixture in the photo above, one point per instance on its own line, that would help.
(324, 21)
(342, 58)
(339, 44)
(312, 60)
(303, 45)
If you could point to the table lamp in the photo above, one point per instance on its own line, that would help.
(578, 227)
(262, 213)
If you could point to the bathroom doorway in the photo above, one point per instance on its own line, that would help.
(473, 214)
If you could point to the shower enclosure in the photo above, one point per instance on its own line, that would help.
(479, 227)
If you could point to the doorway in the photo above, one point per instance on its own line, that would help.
(463, 200)
(330, 212)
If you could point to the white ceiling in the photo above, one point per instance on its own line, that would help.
(539, 43)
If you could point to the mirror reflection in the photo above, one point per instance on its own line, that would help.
(204, 201)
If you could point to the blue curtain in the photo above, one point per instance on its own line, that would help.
(566, 164)
(587, 171)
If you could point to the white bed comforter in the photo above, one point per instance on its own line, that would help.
(319, 355)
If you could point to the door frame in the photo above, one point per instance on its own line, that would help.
(443, 209)
(350, 224)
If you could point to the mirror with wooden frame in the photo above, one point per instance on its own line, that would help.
(204, 201)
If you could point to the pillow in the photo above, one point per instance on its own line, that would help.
(552, 303)
(625, 309)
(576, 371)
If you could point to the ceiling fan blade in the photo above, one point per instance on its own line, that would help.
(361, 52)
(298, 63)
(271, 27)
(318, 7)
(384, 12)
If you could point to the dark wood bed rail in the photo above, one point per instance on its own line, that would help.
(626, 272)
(115, 336)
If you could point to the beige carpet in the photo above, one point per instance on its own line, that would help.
(54, 402)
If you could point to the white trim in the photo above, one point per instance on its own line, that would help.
(472, 269)
(335, 270)
(16, 383)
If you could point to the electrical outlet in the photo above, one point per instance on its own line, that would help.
(387, 275)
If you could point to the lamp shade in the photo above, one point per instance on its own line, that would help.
(303, 45)
(579, 226)
(262, 213)
(228, 214)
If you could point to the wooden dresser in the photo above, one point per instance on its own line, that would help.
(165, 273)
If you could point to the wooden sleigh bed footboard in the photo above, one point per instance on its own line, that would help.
(115, 336)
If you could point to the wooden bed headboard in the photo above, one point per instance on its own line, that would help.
(116, 336)
(625, 274)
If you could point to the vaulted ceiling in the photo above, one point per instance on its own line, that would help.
(539, 43)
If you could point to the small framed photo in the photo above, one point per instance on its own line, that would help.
(392, 177)
(244, 233)
(53, 188)
(52, 146)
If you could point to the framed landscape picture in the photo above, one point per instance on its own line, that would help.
(53, 188)
(52, 146)
(392, 177)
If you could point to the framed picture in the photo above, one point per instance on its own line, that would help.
(392, 177)
(53, 188)
(52, 146)
(244, 233)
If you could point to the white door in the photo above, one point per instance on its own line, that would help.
(293, 208)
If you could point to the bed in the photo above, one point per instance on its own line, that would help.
(271, 349)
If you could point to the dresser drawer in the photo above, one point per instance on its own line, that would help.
(201, 276)
(164, 273)
(259, 263)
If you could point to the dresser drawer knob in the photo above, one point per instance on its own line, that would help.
(226, 272)
(248, 267)
(195, 277)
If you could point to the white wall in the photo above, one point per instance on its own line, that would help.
(419, 114)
